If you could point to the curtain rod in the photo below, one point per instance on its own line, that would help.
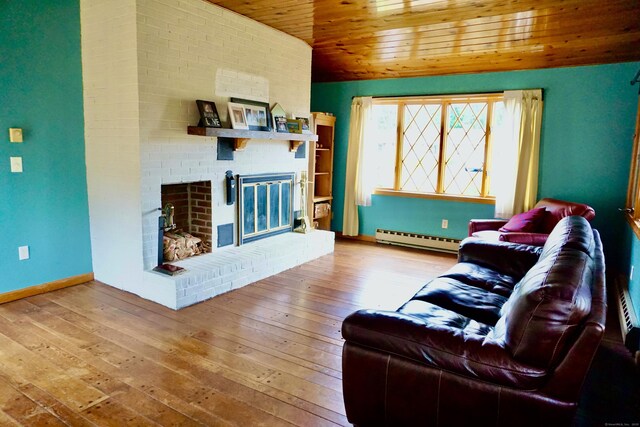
(425, 95)
(454, 94)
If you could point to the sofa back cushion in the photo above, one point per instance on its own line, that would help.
(571, 232)
(558, 209)
(549, 304)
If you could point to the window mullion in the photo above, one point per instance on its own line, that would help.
(486, 166)
(443, 146)
(400, 138)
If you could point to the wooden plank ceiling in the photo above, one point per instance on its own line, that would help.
(375, 39)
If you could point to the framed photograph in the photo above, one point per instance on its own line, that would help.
(305, 124)
(281, 124)
(209, 117)
(294, 126)
(257, 114)
(237, 116)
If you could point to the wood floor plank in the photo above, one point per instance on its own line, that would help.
(124, 395)
(62, 384)
(20, 409)
(227, 352)
(266, 354)
(123, 350)
(169, 355)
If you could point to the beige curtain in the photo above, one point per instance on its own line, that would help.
(356, 191)
(516, 147)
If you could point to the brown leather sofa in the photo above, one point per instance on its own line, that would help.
(504, 338)
(555, 210)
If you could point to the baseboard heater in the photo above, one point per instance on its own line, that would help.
(413, 240)
(628, 320)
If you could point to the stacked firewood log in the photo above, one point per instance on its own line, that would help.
(179, 245)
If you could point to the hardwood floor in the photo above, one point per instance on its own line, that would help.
(267, 354)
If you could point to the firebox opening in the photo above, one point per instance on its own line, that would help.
(192, 215)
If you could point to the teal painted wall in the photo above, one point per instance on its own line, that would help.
(587, 131)
(41, 91)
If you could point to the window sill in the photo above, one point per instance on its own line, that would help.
(635, 225)
(469, 199)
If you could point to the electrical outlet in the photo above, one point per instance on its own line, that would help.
(16, 164)
(445, 223)
(23, 253)
(631, 274)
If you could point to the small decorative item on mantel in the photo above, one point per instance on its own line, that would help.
(209, 117)
(280, 123)
(304, 122)
(236, 116)
(277, 111)
(294, 125)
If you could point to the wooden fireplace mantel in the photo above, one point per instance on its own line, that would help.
(241, 137)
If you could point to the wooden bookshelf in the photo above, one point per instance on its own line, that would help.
(320, 199)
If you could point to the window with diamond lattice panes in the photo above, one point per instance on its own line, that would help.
(441, 144)
(465, 148)
(420, 147)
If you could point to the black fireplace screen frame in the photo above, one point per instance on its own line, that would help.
(256, 207)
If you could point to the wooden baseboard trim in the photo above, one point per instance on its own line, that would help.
(45, 287)
(362, 237)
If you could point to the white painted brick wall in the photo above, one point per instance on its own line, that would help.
(110, 80)
(145, 62)
(192, 50)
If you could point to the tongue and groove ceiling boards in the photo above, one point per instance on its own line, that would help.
(375, 39)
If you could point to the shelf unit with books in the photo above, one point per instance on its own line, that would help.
(320, 199)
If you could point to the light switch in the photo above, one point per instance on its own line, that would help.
(15, 134)
(23, 253)
(16, 164)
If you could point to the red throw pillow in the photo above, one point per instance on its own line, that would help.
(524, 222)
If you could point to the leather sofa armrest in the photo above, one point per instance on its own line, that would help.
(513, 259)
(485, 224)
(534, 239)
(442, 347)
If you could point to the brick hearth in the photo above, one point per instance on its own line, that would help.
(231, 268)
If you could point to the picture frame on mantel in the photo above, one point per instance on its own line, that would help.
(209, 117)
(237, 117)
(280, 124)
(258, 114)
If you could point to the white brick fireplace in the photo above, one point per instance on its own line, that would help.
(145, 62)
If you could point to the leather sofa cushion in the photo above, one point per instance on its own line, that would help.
(547, 307)
(571, 232)
(527, 238)
(482, 277)
(511, 259)
(441, 338)
(474, 302)
(559, 209)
